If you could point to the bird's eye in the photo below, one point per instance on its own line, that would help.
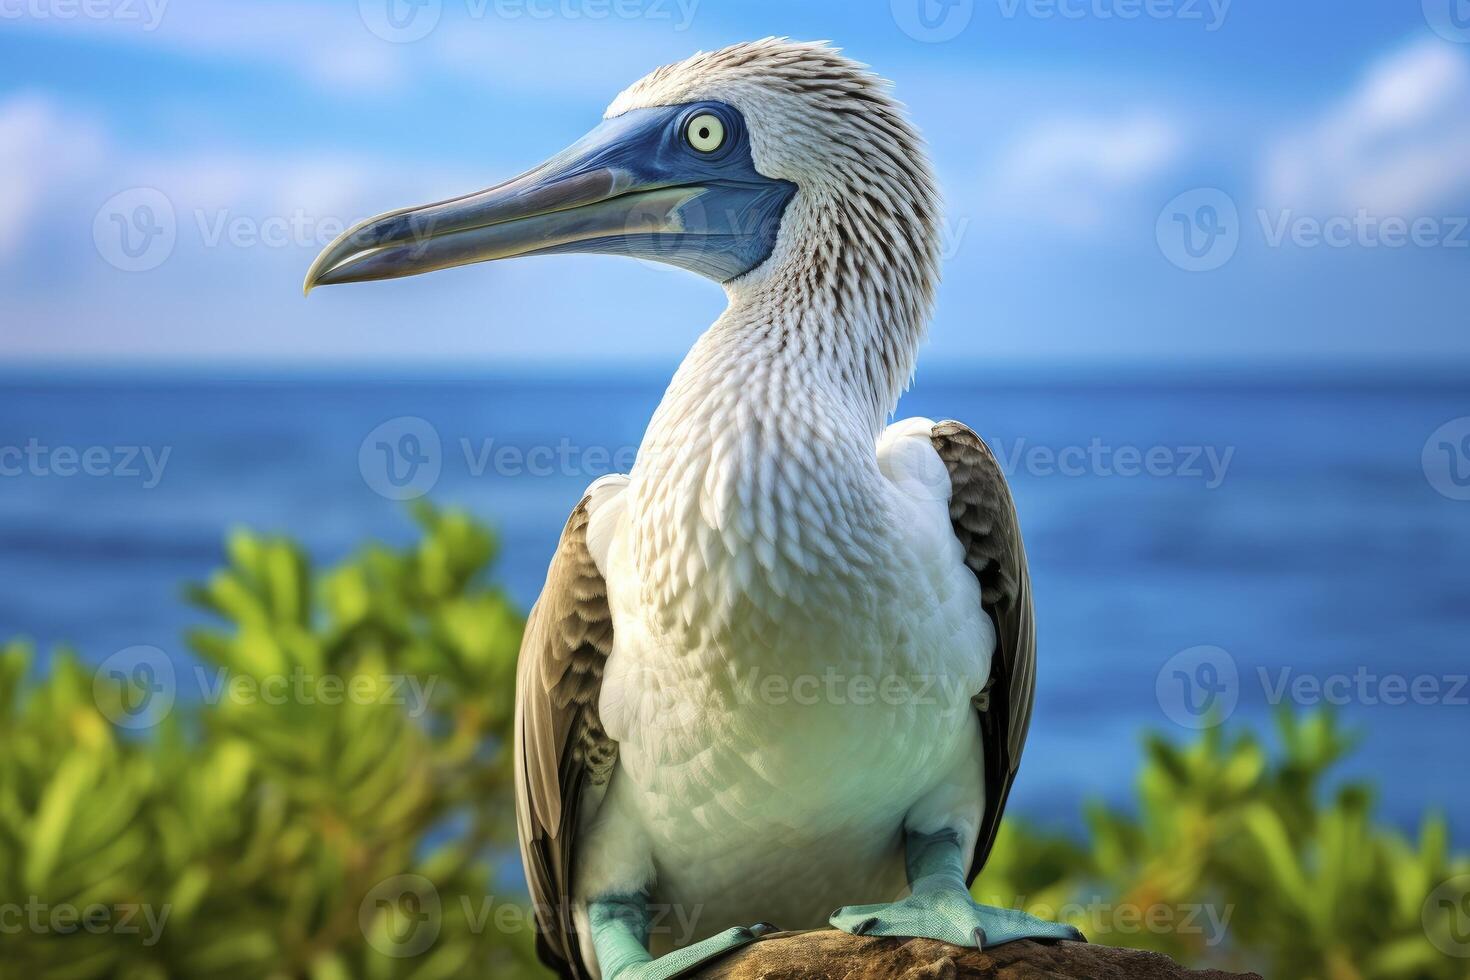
(705, 132)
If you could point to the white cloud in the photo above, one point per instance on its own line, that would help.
(1077, 172)
(326, 44)
(333, 46)
(595, 59)
(61, 166)
(1398, 144)
(41, 149)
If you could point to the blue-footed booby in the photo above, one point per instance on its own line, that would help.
(786, 664)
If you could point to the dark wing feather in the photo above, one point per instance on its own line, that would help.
(560, 746)
(984, 518)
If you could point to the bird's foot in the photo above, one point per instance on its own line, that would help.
(949, 916)
(682, 961)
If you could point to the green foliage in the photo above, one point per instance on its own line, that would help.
(264, 826)
(329, 798)
(1240, 858)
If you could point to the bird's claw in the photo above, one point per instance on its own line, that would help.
(952, 918)
(684, 961)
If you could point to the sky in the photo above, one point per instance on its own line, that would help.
(1156, 182)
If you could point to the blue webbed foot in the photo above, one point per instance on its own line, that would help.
(620, 927)
(949, 916)
(682, 961)
(941, 908)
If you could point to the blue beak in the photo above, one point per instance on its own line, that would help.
(651, 183)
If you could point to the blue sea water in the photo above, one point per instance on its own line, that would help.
(1287, 521)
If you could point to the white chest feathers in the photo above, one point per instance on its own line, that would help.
(770, 669)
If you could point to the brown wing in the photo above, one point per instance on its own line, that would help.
(984, 518)
(560, 746)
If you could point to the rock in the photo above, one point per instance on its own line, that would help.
(838, 956)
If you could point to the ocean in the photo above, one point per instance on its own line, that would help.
(1223, 542)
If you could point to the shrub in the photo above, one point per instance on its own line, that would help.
(330, 798)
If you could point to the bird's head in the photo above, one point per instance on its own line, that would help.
(734, 164)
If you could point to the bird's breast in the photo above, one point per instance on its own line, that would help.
(837, 690)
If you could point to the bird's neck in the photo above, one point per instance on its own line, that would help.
(792, 359)
(757, 479)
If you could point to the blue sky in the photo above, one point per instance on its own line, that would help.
(1317, 153)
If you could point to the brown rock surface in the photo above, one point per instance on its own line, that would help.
(838, 956)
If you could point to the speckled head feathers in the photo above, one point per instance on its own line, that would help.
(861, 239)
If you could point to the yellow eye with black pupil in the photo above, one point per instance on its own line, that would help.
(705, 132)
